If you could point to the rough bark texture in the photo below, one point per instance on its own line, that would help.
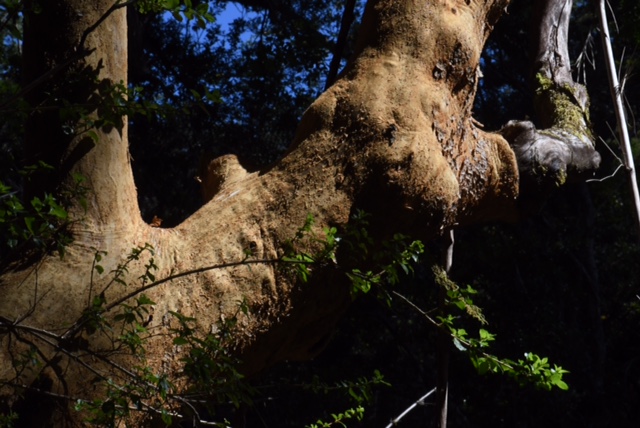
(393, 136)
(562, 148)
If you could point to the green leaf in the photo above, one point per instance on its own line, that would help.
(460, 304)
(486, 336)
(166, 418)
(561, 384)
(93, 135)
(145, 300)
(179, 341)
(57, 211)
(461, 332)
(482, 365)
(29, 222)
(405, 268)
(556, 379)
(37, 204)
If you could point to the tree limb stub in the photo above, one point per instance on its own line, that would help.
(564, 147)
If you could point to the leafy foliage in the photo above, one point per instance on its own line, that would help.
(209, 364)
(37, 226)
(306, 249)
(123, 324)
(360, 390)
(179, 9)
(532, 369)
(390, 257)
(339, 418)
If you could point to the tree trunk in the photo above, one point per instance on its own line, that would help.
(393, 136)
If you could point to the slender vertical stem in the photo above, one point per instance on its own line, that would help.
(616, 95)
(443, 352)
(442, 389)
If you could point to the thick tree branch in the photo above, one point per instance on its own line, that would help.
(551, 24)
(563, 147)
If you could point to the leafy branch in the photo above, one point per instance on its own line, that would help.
(359, 390)
(340, 418)
(307, 249)
(180, 9)
(39, 225)
(530, 370)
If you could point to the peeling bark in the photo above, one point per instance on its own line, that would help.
(393, 136)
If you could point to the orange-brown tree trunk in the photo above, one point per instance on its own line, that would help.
(392, 136)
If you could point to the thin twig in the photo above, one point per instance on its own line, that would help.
(599, 180)
(614, 172)
(420, 401)
(40, 391)
(464, 342)
(613, 16)
(193, 272)
(345, 24)
(11, 325)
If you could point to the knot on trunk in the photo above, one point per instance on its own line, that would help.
(218, 173)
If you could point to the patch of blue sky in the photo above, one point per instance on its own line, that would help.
(232, 17)
(224, 19)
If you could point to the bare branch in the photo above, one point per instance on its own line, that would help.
(420, 401)
(345, 24)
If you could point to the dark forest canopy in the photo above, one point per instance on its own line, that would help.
(562, 282)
